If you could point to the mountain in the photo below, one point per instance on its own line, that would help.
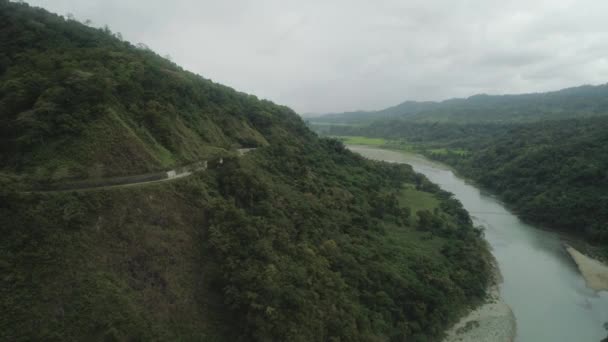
(583, 101)
(297, 240)
(71, 94)
(552, 173)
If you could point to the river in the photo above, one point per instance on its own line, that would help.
(541, 282)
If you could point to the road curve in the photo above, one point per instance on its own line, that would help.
(139, 180)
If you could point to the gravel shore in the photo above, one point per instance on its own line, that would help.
(493, 321)
(594, 272)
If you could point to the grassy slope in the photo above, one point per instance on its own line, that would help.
(418, 200)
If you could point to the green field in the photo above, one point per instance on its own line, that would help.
(378, 142)
(417, 200)
(444, 151)
(359, 140)
(317, 123)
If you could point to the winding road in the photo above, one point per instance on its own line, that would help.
(138, 180)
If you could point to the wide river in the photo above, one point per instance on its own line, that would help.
(541, 282)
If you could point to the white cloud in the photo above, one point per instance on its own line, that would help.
(321, 56)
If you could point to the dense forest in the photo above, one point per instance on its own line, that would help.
(583, 101)
(71, 93)
(300, 240)
(553, 173)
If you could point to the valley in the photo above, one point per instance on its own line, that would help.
(300, 240)
(539, 277)
(142, 201)
(547, 169)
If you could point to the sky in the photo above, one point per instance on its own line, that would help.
(320, 56)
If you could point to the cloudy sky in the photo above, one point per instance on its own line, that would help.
(339, 55)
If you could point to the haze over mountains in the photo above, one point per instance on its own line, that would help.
(319, 56)
(583, 101)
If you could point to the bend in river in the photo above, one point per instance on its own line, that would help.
(541, 282)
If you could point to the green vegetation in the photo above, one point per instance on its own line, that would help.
(283, 244)
(71, 93)
(446, 151)
(358, 140)
(300, 240)
(397, 144)
(553, 173)
(578, 102)
(417, 201)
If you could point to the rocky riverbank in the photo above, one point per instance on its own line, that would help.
(594, 272)
(492, 321)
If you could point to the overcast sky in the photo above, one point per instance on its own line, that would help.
(334, 55)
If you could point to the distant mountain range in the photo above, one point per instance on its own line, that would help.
(583, 101)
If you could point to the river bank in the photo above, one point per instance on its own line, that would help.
(593, 271)
(493, 320)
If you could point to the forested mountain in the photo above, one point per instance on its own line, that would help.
(71, 94)
(299, 240)
(583, 101)
(553, 173)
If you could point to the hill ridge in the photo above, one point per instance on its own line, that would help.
(580, 101)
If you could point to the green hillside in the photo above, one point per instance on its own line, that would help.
(71, 94)
(543, 153)
(578, 102)
(552, 173)
(299, 240)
